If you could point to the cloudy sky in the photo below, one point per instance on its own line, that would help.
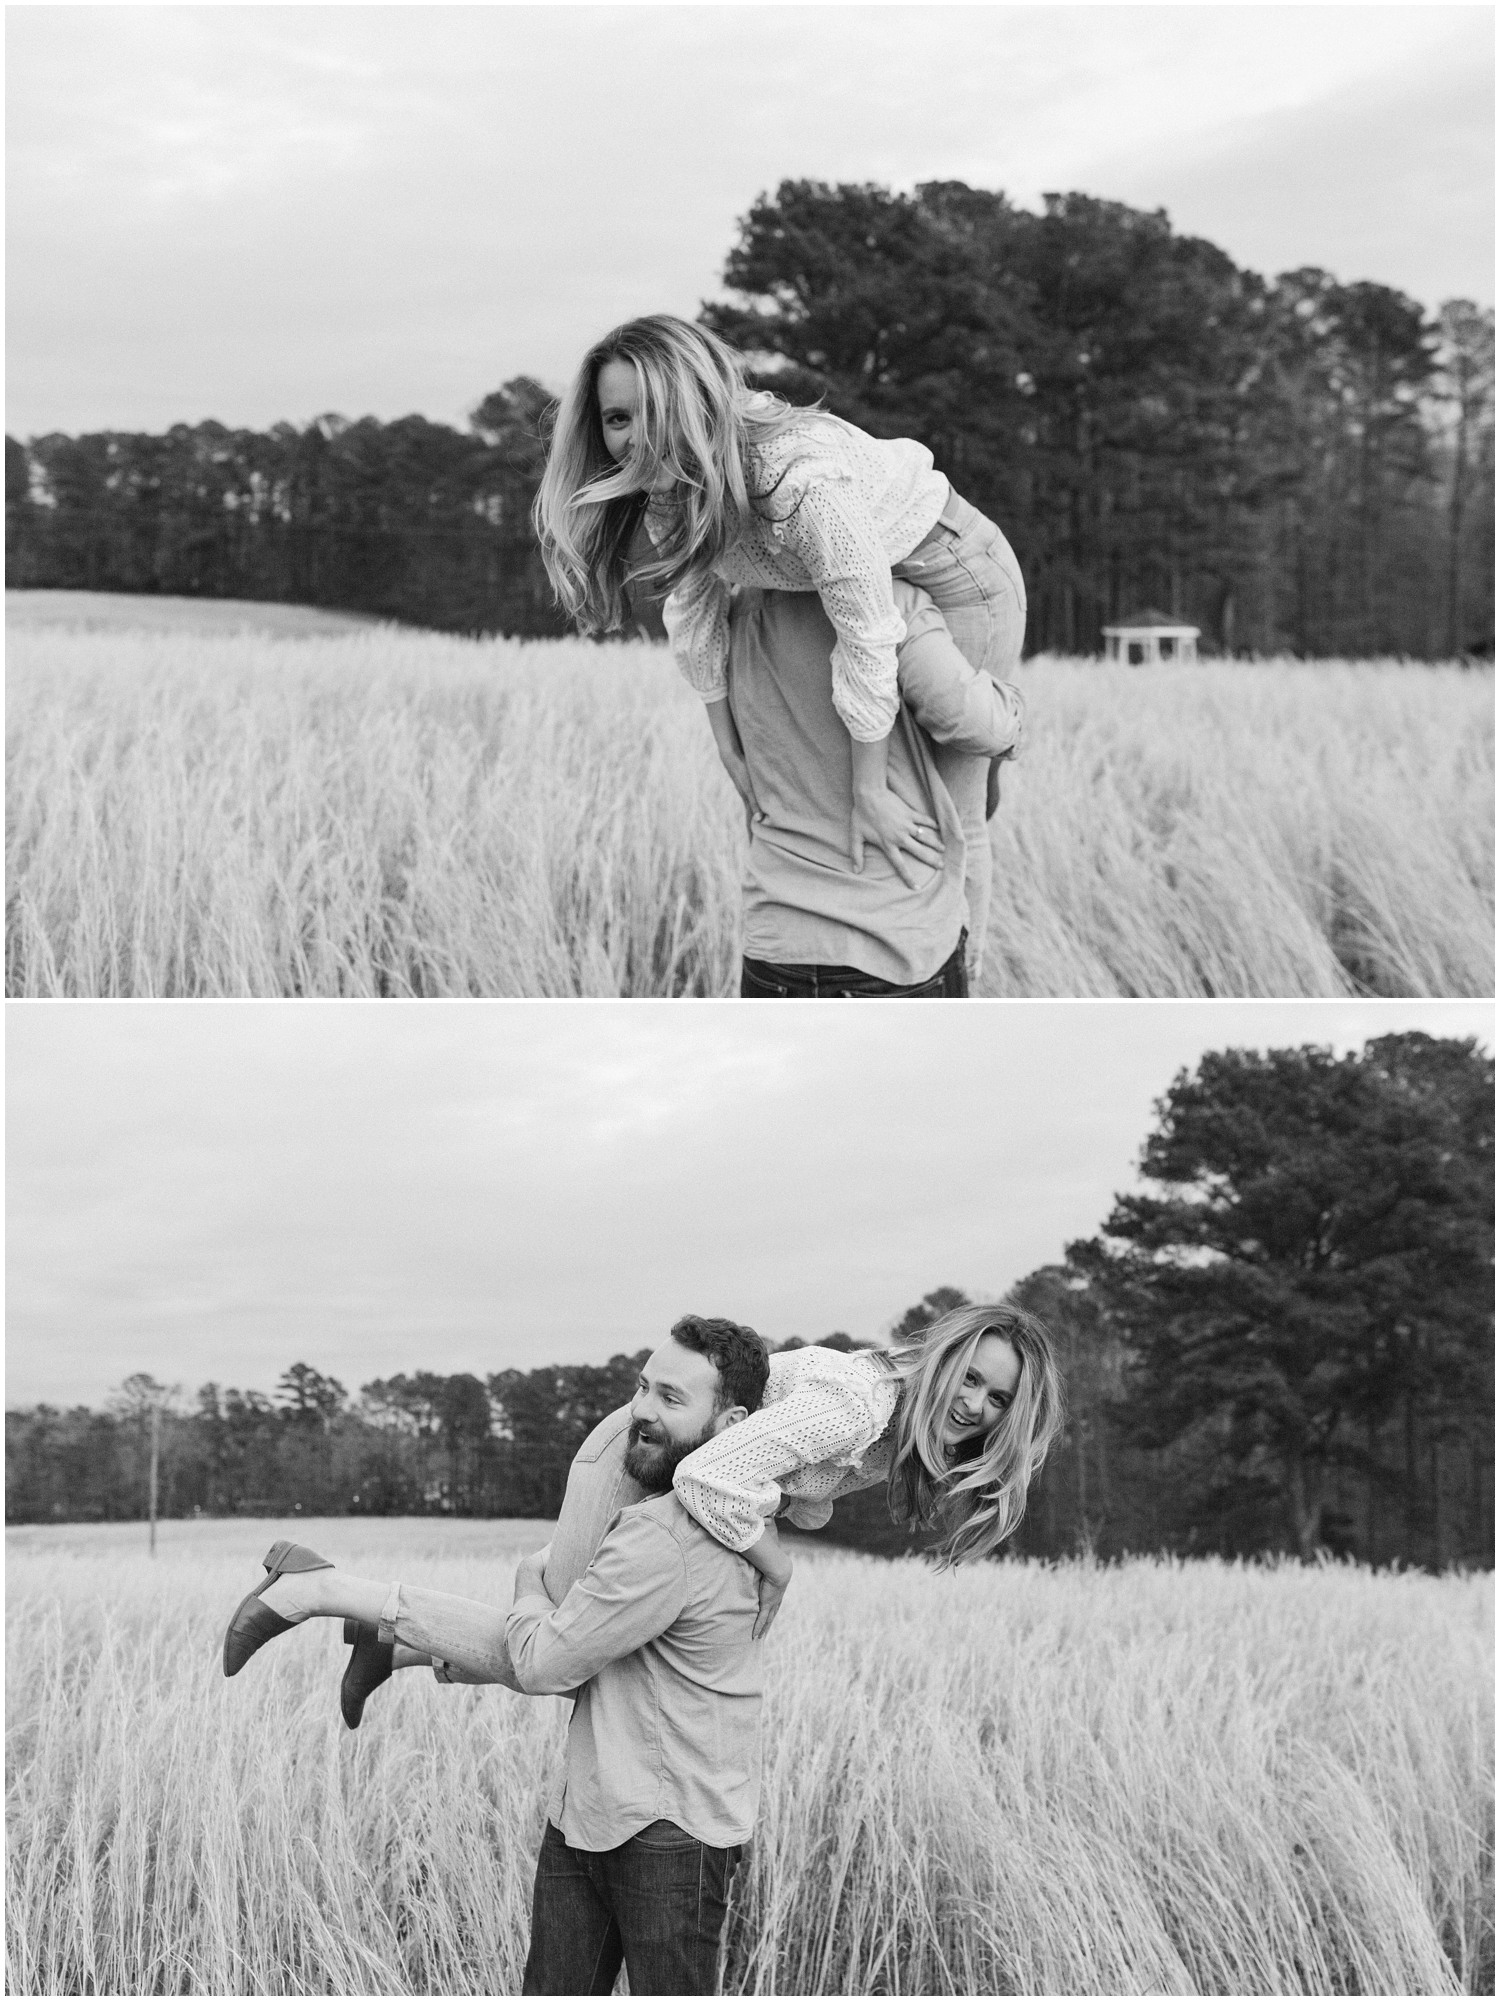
(262, 213)
(215, 1190)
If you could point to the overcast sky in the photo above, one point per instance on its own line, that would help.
(215, 1190)
(263, 213)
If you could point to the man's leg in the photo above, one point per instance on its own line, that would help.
(955, 975)
(575, 1942)
(669, 1893)
(760, 980)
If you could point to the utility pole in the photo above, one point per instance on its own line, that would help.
(155, 1461)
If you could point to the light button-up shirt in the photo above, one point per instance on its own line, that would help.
(656, 1639)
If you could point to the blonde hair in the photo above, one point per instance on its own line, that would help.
(697, 423)
(979, 1497)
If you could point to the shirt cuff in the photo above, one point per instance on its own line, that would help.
(534, 1601)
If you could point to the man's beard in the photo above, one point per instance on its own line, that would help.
(652, 1466)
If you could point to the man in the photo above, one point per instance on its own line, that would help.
(661, 1779)
(814, 925)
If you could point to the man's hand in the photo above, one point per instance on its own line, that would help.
(908, 840)
(529, 1573)
(732, 757)
(739, 771)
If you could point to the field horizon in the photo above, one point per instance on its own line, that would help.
(1150, 1777)
(382, 812)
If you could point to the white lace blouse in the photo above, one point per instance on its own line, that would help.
(845, 508)
(820, 1432)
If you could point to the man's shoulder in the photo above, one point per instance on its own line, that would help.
(664, 1515)
(664, 1512)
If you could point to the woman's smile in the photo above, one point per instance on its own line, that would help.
(985, 1395)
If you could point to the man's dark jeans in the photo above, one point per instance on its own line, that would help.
(760, 980)
(657, 1901)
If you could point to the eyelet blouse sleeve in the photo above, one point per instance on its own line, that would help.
(832, 533)
(731, 1484)
(696, 616)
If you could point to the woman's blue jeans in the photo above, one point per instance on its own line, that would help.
(970, 572)
(657, 1902)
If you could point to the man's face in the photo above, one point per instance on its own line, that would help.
(671, 1414)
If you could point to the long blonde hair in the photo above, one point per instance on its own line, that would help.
(697, 423)
(979, 1497)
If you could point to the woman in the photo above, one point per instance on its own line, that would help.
(956, 1419)
(734, 488)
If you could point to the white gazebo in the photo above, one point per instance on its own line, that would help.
(1148, 636)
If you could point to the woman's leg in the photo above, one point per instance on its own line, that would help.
(445, 1671)
(970, 572)
(465, 1634)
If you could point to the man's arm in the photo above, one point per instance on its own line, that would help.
(732, 757)
(634, 1588)
(953, 702)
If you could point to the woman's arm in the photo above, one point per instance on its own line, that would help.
(775, 1567)
(732, 1484)
(768, 1556)
(696, 616)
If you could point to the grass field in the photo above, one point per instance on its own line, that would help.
(1158, 1778)
(229, 810)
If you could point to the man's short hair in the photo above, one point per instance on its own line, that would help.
(738, 1353)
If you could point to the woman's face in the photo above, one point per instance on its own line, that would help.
(618, 397)
(986, 1392)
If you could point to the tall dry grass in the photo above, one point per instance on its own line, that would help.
(1182, 1778)
(389, 812)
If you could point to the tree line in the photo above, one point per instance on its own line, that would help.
(1284, 1343)
(412, 521)
(1294, 464)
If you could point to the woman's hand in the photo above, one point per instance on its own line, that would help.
(883, 819)
(771, 1595)
(775, 1568)
(906, 839)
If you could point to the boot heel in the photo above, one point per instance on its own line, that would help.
(254, 1622)
(369, 1665)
